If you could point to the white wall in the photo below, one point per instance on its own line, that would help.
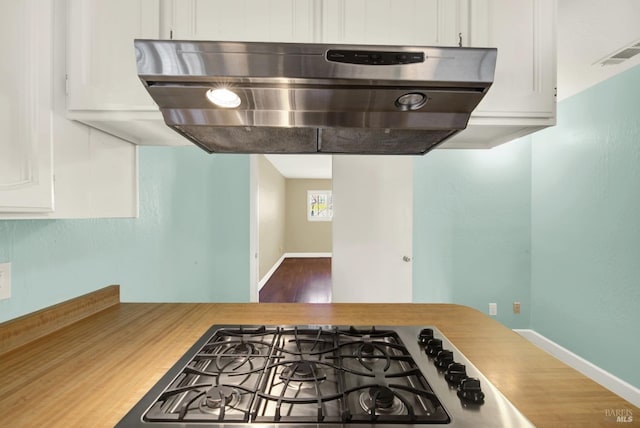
(372, 228)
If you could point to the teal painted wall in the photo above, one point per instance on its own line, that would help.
(190, 243)
(472, 224)
(549, 220)
(586, 226)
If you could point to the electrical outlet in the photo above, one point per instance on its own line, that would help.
(5, 281)
(516, 307)
(493, 309)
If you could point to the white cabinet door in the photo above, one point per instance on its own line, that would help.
(522, 98)
(241, 20)
(101, 63)
(398, 22)
(372, 229)
(26, 175)
(524, 33)
(95, 173)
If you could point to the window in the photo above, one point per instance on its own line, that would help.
(319, 205)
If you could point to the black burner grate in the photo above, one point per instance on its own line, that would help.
(300, 375)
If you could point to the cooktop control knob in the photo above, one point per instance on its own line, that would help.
(425, 335)
(433, 347)
(443, 359)
(455, 373)
(469, 391)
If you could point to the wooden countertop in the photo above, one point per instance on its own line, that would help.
(91, 373)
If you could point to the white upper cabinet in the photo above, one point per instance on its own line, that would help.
(104, 90)
(241, 20)
(26, 173)
(398, 22)
(101, 68)
(522, 98)
(95, 173)
(525, 69)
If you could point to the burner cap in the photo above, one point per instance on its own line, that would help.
(301, 374)
(304, 369)
(243, 348)
(367, 349)
(218, 397)
(368, 353)
(381, 400)
(382, 395)
(240, 352)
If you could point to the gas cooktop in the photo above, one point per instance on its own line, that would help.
(303, 376)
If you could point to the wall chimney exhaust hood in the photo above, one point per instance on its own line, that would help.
(237, 97)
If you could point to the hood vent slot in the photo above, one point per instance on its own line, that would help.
(245, 139)
(271, 140)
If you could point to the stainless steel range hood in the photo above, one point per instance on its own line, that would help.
(314, 98)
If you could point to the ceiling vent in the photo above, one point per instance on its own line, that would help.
(621, 55)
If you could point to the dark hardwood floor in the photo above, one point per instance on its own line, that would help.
(299, 280)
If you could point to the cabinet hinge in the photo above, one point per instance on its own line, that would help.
(66, 84)
(170, 33)
(459, 40)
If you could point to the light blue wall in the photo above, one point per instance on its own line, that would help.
(551, 220)
(191, 242)
(472, 220)
(586, 226)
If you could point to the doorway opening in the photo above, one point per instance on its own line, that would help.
(293, 228)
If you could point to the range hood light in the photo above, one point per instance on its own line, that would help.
(411, 101)
(223, 97)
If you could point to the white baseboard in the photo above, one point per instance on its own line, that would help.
(309, 255)
(275, 267)
(604, 378)
(277, 264)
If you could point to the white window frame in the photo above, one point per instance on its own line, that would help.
(329, 195)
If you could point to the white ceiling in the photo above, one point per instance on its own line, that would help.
(302, 166)
(588, 31)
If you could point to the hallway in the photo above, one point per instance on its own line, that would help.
(299, 280)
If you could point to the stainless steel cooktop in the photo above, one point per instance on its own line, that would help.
(323, 376)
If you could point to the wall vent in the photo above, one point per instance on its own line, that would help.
(621, 55)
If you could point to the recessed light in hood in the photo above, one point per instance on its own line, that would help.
(314, 98)
(223, 97)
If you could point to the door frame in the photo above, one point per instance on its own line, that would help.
(254, 254)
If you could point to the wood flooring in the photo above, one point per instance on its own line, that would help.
(299, 280)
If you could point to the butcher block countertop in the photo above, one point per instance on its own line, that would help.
(92, 372)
